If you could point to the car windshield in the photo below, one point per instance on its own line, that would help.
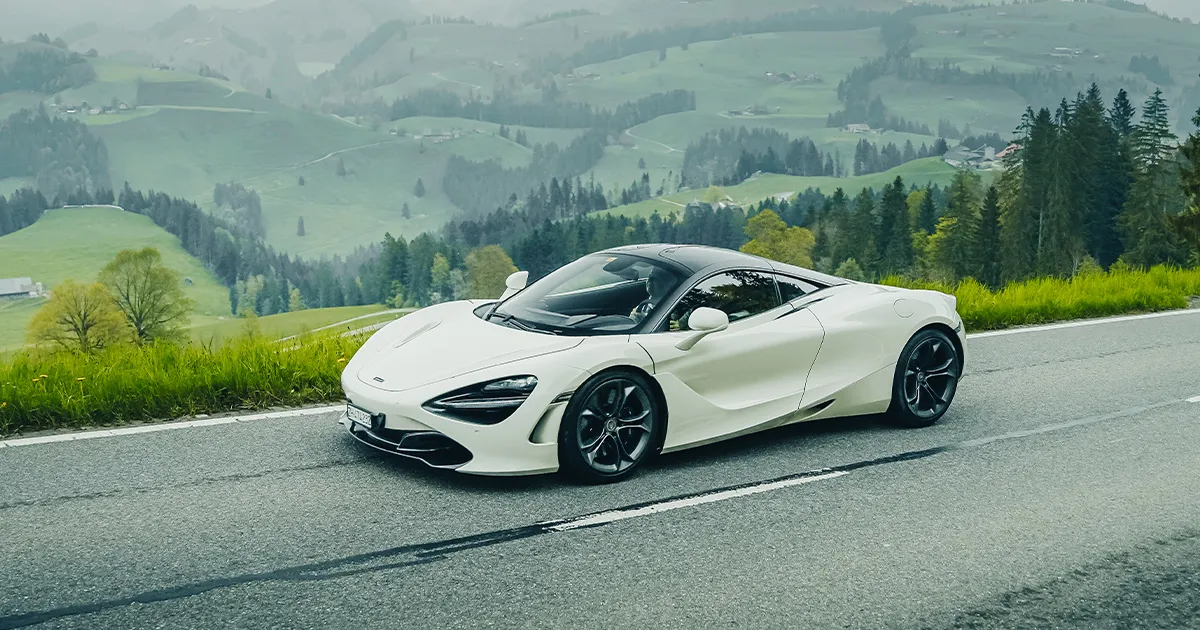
(597, 294)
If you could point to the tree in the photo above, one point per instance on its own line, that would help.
(1187, 224)
(954, 241)
(405, 212)
(927, 216)
(987, 240)
(487, 270)
(419, 189)
(895, 240)
(269, 94)
(149, 294)
(771, 238)
(341, 168)
(301, 180)
(79, 317)
(1149, 239)
(642, 164)
(439, 276)
(295, 300)
(300, 227)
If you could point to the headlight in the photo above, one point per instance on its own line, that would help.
(484, 403)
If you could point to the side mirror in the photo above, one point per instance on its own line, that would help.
(704, 321)
(515, 283)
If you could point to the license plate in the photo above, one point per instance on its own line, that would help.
(358, 416)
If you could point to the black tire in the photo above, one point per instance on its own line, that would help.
(603, 439)
(926, 380)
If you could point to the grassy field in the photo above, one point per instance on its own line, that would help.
(76, 243)
(919, 172)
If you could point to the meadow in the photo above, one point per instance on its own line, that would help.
(76, 243)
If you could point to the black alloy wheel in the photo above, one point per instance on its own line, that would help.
(610, 428)
(926, 379)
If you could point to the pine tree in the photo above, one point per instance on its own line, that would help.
(987, 240)
(927, 218)
(1187, 224)
(419, 189)
(341, 168)
(954, 241)
(896, 253)
(1063, 221)
(300, 227)
(405, 212)
(1144, 222)
(1122, 115)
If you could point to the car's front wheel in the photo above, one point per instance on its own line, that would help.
(926, 379)
(610, 428)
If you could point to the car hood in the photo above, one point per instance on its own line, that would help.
(443, 342)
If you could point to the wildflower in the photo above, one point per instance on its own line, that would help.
(81, 378)
(43, 376)
(36, 380)
(3, 405)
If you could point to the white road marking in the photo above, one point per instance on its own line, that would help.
(1077, 324)
(169, 426)
(613, 516)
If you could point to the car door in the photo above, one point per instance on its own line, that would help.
(750, 374)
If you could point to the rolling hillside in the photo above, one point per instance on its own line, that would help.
(76, 243)
(919, 172)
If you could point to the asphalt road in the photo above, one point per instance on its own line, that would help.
(1061, 491)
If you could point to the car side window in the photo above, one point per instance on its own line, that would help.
(791, 288)
(740, 294)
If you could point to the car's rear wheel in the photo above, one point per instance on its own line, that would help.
(926, 379)
(610, 428)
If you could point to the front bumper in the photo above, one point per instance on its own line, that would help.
(430, 447)
(526, 443)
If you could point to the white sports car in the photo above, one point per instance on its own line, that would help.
(646, 349)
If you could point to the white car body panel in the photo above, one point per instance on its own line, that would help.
(833, 356)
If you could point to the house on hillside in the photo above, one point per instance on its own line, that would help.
(975, 159)
(857, 128)
(19, 288)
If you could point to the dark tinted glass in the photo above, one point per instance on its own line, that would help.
(791, 288)
(740, 294)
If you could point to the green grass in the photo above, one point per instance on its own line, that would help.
(220, 331)
(76, 243)
(919, 172)
(41, 391)
(15, 316)
(1046, 300)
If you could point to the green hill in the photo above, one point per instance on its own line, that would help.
(919, 172)
(76, 243)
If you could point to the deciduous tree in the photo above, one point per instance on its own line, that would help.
(487, 269)
(149, 294)
(79, 317)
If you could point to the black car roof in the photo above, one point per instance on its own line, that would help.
(695, 258)
(691, 257)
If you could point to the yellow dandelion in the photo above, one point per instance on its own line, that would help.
(342, 360)
(81, 378)
(43, 376)
(3, 405)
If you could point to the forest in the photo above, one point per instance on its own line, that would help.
(59, 154)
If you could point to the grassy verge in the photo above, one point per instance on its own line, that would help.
(1089, 295)
(41, 391)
